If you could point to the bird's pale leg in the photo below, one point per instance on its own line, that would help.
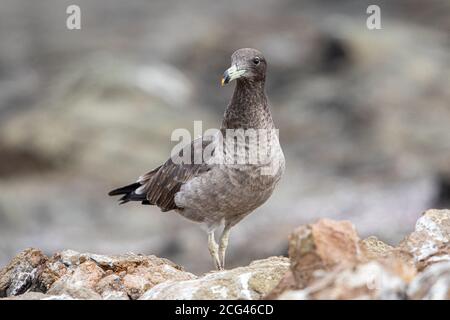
(224, 243)
(213, 249)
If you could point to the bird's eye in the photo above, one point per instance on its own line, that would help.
(256, 60)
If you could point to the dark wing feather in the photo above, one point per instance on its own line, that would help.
(161, 184)
(128, 192)
(161, 187)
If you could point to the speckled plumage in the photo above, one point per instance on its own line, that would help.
(213, 192)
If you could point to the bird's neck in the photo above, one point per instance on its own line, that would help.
(249, 108)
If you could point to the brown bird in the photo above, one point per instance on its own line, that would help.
(231, 180)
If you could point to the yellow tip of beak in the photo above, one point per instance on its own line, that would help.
(222, 82)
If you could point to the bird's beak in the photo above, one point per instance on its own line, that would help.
(231, 74)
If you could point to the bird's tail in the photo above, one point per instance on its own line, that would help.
(128, 193)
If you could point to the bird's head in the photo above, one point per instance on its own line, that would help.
(246, 64)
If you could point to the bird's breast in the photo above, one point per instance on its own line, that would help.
(231, 190)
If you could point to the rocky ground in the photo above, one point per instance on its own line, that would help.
(327, 260)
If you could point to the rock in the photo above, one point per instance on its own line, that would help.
(70, 274)
(111, 288)
(430, 241)
(19, 275)
(110, 282)
(250, 282)
(38, 296)
(73, 290)
(373, 248)
(28, 296)
(365, 281)
(327, 260)
(53, 270)
(368, 269)
(397, 261)
(117, 277)
(321, 246)
(286, 283)
(115, 295)
(324, 255)
(135, 285)
(432, 284)
(80, 282)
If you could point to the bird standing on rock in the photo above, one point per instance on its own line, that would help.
(231, 180)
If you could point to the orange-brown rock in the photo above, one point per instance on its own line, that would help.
(321, 246)
(326, 254)
(70, 274)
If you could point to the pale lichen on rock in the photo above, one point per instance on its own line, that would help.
(430, 242)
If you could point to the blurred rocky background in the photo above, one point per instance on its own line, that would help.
(364, 117)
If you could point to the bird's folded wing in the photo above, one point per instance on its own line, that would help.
(161, 184)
